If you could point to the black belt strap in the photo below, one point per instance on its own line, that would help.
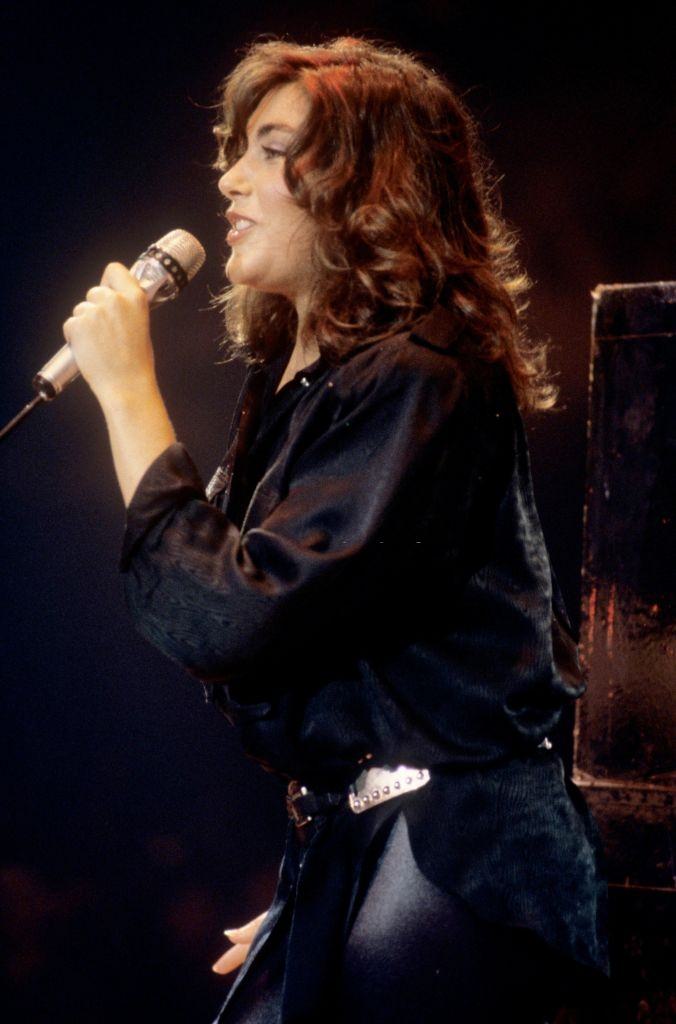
(302, 804)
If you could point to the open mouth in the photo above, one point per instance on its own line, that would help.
(241, 226)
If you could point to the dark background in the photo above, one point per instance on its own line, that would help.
(133, 829)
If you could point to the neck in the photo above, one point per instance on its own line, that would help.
(302, 355)
(303, 352)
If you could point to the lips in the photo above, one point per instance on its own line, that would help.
(240, 225)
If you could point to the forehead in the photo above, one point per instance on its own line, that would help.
(286, 105)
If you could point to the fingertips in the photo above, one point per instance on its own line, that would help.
(243, 934)
(247, 931)
(231, 960)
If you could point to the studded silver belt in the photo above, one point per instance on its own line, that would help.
(374, 786)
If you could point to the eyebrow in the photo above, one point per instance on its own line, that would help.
(265, 129)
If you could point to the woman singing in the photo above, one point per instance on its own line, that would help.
(363, 588)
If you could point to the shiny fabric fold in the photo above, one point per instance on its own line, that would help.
(297, 972)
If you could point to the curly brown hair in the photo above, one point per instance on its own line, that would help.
(390, 166)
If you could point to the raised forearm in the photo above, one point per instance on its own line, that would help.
(139, 429)
(110, 338)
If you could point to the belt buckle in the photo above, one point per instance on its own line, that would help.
(377, 785)
(294, 793)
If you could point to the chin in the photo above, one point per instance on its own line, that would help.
(239, 275)
(234, 273)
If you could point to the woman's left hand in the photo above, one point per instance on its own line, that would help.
(241, 939)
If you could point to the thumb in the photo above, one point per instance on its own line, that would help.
(117, 277)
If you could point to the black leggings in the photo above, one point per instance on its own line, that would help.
(417, 954)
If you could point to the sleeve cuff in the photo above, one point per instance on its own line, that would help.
(168, 483)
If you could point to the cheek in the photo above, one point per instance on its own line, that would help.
(292, 222)
(273, 190)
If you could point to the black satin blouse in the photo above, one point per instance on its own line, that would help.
(366, 575)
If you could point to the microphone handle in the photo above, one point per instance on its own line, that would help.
(61, 370)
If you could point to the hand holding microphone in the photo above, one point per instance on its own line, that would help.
(162, 271)
(117, 309)
(109, 336)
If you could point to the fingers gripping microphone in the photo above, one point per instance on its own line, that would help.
(163, 270)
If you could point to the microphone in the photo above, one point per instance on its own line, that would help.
(163, 270)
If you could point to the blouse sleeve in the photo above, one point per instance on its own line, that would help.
(219, 600)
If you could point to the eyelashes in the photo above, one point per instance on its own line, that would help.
(227, 160)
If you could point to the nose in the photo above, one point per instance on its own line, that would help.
(234, 181)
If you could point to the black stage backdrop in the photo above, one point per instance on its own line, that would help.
(133, 829)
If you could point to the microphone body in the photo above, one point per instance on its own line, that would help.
(163, 270)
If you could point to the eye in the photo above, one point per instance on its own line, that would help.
(270, 153)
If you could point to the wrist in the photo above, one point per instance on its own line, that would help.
(139, 429)
(139, 395)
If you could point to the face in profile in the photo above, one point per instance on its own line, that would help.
(270, 235)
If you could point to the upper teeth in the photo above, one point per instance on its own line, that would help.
(241, 224)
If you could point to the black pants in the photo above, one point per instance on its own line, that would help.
(418, 954)
(414, 954)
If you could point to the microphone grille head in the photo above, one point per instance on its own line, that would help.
(185, 249)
